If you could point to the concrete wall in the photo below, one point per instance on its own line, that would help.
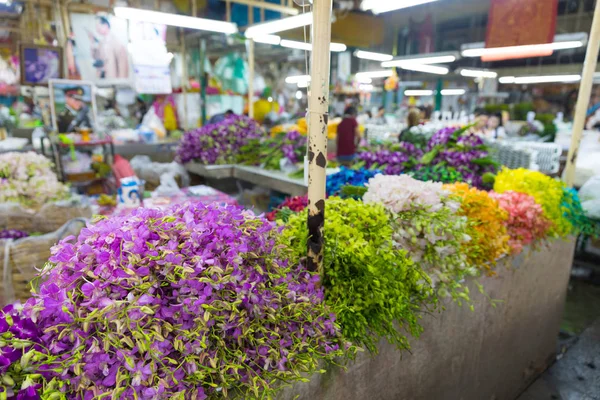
(489, 354)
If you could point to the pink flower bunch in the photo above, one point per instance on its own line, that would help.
(526, 221)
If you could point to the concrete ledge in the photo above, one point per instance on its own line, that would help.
(489, 354)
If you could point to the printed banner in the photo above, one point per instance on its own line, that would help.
(521, 22)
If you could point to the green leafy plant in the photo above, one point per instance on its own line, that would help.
(373, 287)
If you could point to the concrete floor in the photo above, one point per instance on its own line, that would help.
(575, 376)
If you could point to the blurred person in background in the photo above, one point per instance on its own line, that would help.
(413, 119)
(347, 137)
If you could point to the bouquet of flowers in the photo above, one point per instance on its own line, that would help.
(391, 160)
(219, 143)
(347, 176)
(269, 152)
(426, 224)
(526, 221)
(464, 153)
(374, 288)
(487, 225)
(28, 179)
(546, 191)
(190, 302)
(291, 204)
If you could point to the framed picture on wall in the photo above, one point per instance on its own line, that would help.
(73, 105)
(39, 64)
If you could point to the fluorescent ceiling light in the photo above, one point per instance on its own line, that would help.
(364, 79)
(367, 55)
(292, 44)
(280, 25)
(268, 39)
(366, 87)
(374, 74)
(303, 84)
(430, 69)
(523, 80)
(453, 92)
(381, 6)
(297, 78)
(183, 21)
(513, 51)
(418, 92)
(478, 73)
(420, 60)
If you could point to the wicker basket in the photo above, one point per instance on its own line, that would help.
(47, 219)
(22, 259)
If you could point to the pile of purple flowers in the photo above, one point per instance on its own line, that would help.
(294, 146)
(192, 302)
(18, 346)
(465, 153)
(393, 161)
(218, 143)
(12, 234)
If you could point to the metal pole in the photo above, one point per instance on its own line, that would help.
(250, 49)
(318, 105)
(583, 98)
(203, 82)
(184, 79)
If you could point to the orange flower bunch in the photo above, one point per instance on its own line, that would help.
(487, 225)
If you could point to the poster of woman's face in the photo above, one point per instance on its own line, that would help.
(100, 48)
(39, 64)
(73, 105)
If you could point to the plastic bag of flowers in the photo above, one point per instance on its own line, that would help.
(373, 287)
(219, 143)
(193, 302)
(426, 224)
(486, 225)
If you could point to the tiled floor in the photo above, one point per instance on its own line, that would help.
(576, 376)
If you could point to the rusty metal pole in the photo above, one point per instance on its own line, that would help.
(318, 107)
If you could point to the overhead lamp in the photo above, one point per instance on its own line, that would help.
(299, 94)
(367, 55)
(183, 21)
(430, 69)
(561, 42)
(268, 39)
(280, 25)
(374, 74)
(418, 92)
(453, 92)
(436, 58)
(381, 6)
(364, 79)
(303, 84)
(366, 87)
(292, 44)
(478, 73)
(524, 80)
(297, 78)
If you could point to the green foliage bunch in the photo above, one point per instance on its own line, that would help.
(373, 287)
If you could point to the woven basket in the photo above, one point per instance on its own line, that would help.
(48, 218)
(22, 259)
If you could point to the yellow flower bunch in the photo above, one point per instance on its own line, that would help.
(487, 225)
(546, 191)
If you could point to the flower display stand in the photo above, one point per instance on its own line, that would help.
(494, 352)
